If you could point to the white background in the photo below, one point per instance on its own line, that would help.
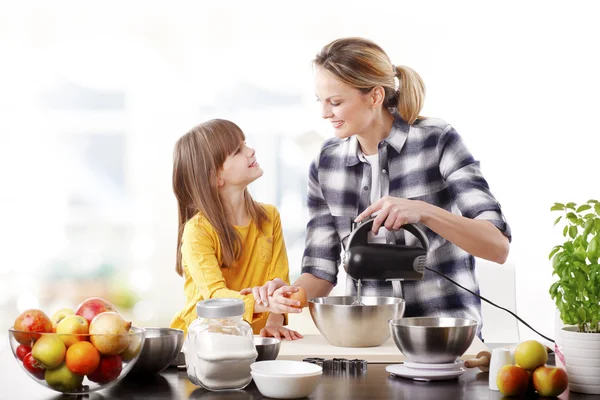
(518, 80)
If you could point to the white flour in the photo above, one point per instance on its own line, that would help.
(217, 361)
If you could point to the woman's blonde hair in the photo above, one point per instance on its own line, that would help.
(198, 156)
(364, 65)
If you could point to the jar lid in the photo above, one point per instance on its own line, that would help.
(220, 308)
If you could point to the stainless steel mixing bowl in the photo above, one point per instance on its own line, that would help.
(433, 340)
(160, 348)
(267, 348)
(346, 325)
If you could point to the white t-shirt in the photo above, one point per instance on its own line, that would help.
(376, 195)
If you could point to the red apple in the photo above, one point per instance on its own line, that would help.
(550, 381)
(33, 367)
(512, 380)
(22, 351)
(31, 321)
(108, 370)
(93, 306)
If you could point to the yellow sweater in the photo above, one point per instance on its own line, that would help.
(263, 258)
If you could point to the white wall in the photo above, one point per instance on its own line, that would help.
(518, 80)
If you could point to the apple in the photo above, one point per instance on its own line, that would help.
(62, 379)
(93, 306)
(49, 350)
(550, 381)
(71, 328)
(32, 320)
(60, 315)
(109, 333)
(33, 366)
(512, 380)
(109, 369)
(530, 354)
(22, 351)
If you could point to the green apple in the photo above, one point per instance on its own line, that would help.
(62, 379)
(530, 354)
(135, 345)
(49, 350)
(71, 326)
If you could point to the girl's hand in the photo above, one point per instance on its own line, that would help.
(393, 213)
(273, 295)
(277, 330)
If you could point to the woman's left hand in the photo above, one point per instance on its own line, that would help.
(278, 331)
(393, 213)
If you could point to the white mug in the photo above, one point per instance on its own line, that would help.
(500, 358)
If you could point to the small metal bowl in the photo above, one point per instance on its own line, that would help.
(433, 340)
(267, 348)
(160, 348)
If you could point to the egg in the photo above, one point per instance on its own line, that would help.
(300, 296)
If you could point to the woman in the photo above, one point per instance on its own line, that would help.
(387, 160)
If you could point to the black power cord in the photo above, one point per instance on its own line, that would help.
(488, 301)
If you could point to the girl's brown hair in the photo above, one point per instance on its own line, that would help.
(198, 156)
(363, 65)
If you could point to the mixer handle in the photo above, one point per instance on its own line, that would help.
(359, 235)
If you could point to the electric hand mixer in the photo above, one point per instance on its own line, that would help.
(378, 261)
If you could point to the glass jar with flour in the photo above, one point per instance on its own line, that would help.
(219, 346)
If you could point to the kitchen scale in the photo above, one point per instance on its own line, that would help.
(427, 372)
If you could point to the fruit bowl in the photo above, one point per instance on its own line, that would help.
(76, 363)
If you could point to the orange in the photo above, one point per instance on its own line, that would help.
(300, 296)
(82, 358)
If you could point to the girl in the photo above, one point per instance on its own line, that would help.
(386, 159)
(226, 240)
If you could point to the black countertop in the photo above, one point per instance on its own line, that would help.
(172, 383)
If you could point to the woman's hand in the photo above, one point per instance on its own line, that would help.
(393, 213)
(273, 296)
(277, 330)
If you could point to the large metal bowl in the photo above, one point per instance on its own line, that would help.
(160, 348)
(433, 340)
(346, 325)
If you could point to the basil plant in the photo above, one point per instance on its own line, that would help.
(575, 263)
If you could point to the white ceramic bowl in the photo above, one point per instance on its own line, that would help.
(283, 379)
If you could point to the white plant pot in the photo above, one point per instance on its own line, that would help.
(582, 359)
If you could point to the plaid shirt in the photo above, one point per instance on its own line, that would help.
(427, 161)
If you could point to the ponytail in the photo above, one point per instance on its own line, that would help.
(411, 94)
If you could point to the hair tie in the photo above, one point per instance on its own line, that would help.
(395, 70)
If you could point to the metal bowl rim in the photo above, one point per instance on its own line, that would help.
(399, 322)
(397, 300)
(269, 341)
